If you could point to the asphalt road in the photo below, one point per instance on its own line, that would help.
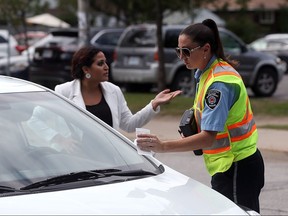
(273, 198)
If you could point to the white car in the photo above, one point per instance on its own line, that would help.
(18, 66)
(7, 41)
(102, 174)
(275, 44)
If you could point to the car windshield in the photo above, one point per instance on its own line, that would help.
(44, 137)
(262, 44)
(142, 37)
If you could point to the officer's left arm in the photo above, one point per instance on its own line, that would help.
(219, 99)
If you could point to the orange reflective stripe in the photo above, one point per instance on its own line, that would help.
(247, 109)
(202, 92)
(247, 117)
(239, 124)
(216, 151)
(223, 63)
(221, 136)
(205, 82)
(239, 138)
(215, 74)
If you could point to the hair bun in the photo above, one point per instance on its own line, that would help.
(209, 23)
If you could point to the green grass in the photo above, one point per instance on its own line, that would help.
(270, 107)
(260, 106)
(136, 101)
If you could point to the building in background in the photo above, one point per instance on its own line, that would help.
(267, 16)
(197, 15)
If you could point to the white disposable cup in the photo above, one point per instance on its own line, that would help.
(142, 131)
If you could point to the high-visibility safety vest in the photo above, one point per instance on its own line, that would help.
(239, 138)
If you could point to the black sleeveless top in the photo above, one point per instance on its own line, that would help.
(102, 111)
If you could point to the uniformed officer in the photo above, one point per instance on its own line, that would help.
(227, 133)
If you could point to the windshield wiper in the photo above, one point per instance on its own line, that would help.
(138, 172)
(4, 189)
(86, 175)
(71, 177)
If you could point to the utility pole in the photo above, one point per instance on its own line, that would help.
(83, 23)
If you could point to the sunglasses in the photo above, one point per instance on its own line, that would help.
(185, 51)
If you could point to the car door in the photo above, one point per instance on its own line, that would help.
(237, 50)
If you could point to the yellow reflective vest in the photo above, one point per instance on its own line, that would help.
(239, 138)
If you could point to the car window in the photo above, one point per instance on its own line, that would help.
(62, 40)
(229, 43)
(259, 44)
(142, 37)
(2, 40)
(263, 44)
(108, 38)
(29, 152)
(171, 38)
(276, 45)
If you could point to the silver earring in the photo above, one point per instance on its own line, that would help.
(88, 75)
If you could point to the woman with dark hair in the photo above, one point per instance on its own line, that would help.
(91, 90)
(226, 129)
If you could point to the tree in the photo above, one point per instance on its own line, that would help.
(14, 13)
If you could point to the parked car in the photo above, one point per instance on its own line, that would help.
(8, 44)
(103, 175)
(136, 60)
(52, 63)
(18, 66)
(106, 40)
(27, 39)
(15, 66)
(276, 44)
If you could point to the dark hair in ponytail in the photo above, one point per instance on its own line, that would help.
(207, 32)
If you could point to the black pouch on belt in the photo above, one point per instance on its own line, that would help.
(188, 126)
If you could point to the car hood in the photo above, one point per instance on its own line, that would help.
(261, 55)
(169, 193)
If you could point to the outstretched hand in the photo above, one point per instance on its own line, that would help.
(164, 97)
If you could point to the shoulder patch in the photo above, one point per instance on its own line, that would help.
(212, 98)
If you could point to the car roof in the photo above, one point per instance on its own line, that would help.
(10, 84)
(277, 36)
(153, 25)
(73, 32)
(4, 32)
